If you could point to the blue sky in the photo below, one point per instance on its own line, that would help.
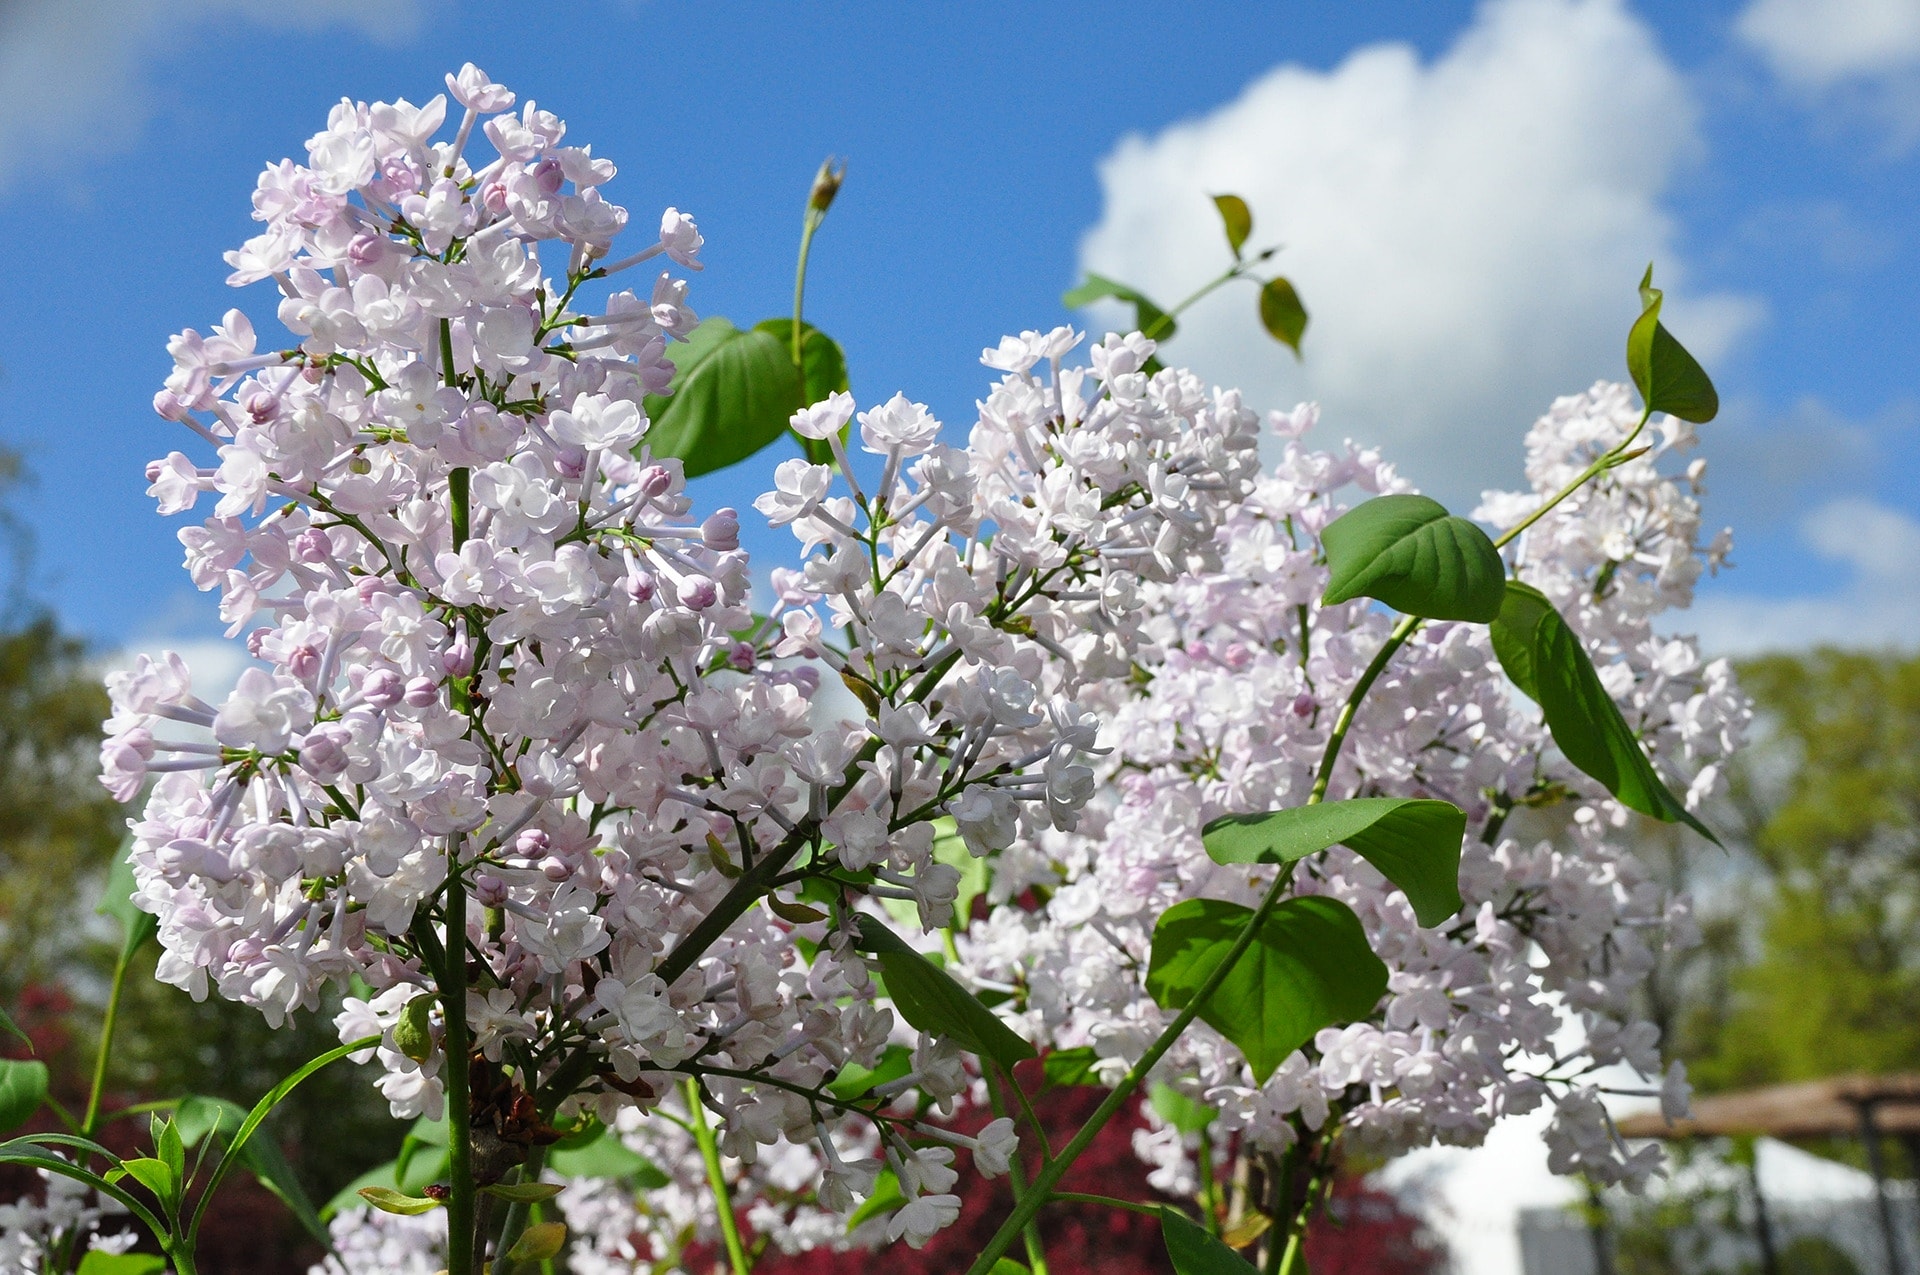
(1771, 172)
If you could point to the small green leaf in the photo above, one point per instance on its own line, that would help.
(929, 998)
(884, 1198)
(733, 393)
(1007, 1266)
(1065, 1067)
(1237, 219)
(100, 1262)
(1147, 317)
(1309, 967)
(794, 913)
(1194, 1252)
(1413, 555)
(1414, 843)
(155, 1175)
(854, 1080)
(539, 1242)
(1546, 660)
(388, 1200)
(348, 1196)
(1669, 379)
(413, 1034)
(524, 1192)
(1188, 1115)
(166, 1140)
(23, 1087)
(1281, 313)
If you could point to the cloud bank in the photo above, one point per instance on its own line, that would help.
(1823, 43)
(1466, 232)
(75, 72)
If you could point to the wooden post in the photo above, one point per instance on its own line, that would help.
(1762, 1224)
(1870, 1134)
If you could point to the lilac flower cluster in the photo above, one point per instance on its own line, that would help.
(1530, 991)
(499, 657)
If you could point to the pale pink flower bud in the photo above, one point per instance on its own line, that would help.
(532, 843)
(383, 688)
(722, 531)
(698, 592)
(489, 891)
(457, 659)
(421, 692)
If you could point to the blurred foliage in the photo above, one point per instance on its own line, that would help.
(1811, 960)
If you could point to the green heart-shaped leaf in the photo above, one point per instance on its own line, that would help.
(1194, 1252)
(1237, 219)
(733, 393)
(1413, 555)
(1415, 843)
(23, 1087)
(1309, 967)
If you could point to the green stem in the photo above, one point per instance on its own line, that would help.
(1342, 724)
(519, 1213)
(716, 1178)
(811, 224)
(457, 497)
(1604, 463)
(91, 1121)
(1166, 319)
(459, 1099)
(1017, 1177)
(1081, 1197)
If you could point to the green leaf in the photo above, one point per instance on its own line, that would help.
(116, 901)
(1413, 555)
(1077, 1066)
(733, 392)
(1007, 1266)
(388, 1200)
(100, 1262)
(155, 1175)
(1147, 317)
(197, 1115)
(929, 998)
(413, 1034)
(166, 1140)
(1237, 219)
(1414, 843)
(854, 1080)
(884, 1198)
(823, 370)
(1309, 967)
(524, 1192)
(1281, 313)
(539, 1242)
(1669, 379)
(23, 1087)
(1194, 1252)
(1188, 1115)
(606, 1156)
(1546, 660)
(950, 848)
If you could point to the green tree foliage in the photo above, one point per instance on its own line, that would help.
(1812, 965)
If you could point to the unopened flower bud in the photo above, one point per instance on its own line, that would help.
(457, 659)
(532, 843)
(422, 691)
(826, 184)
(555, 869)
(640, 585)
(721, 531)
(312, 547)
(698, 592)
(741, 656)
(655, 480)
(489, 891)
(383, 688)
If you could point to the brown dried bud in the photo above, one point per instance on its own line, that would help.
(826, 184)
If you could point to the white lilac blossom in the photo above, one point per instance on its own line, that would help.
(1235, 693)
(31, 1230)
(494, 639)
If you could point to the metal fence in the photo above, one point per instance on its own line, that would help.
(1838, 1237)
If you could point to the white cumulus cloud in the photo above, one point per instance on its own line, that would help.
(1874, 601)
(73, 69)
(1821, 43)
(1466, 232)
